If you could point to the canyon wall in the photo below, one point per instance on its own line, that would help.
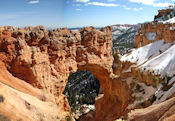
(140, 66)
(35, 66)
(163, 12)
(153, 31)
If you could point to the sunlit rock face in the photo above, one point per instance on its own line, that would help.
(151, 32)
(35, 66)
(36, 63)
(150, 65)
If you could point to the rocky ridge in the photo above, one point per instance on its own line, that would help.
(151, 67)
(35, 66)
(36, 63)
(123, 37)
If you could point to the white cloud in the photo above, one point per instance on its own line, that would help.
(102, 4)
(138, 9)
(146, 2)
(83, 1)
(34, 2)
(166, 4)
(126, 8)
(152, 3)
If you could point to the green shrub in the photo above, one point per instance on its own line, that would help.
(156, 81)
(138, 86)
(1, 99)
(73, 100)
(4, 118)
(165, 82)
(69, 117)
(153, 98)
(140, 98)
(165, 18)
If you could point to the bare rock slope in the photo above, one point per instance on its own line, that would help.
(151, 67)
(36, 63)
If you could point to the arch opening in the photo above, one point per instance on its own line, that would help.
(81, 90)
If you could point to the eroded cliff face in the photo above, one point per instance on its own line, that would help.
(159, 112)
(154, 31)
(149, 71)
(162, 13)
(36, 63)
(35, 66)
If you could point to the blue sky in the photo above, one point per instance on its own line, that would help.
(22, 13)
(78, 13)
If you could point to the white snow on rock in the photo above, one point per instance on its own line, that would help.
(172, 20)
(120, 27)
(172, 28)
(163, 64)
(171, 81)
(163, 95)
(143, 54)
(151, 35)
(156, 57)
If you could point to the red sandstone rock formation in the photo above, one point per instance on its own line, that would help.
(163, 12)
(159, 112)
(148, 33)
(35, 66)
(157, 30)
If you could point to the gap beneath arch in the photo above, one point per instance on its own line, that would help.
(81, 90)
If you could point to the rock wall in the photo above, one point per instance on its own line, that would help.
(158, 112)
(150, 32)
(36, 64)
(163, 12)
(163, 110)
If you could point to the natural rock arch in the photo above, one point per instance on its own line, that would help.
(50, 56)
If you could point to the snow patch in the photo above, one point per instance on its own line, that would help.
(151, 35)
(172, 20)
(172, 28)
(145, 53)
(163, 64)
(157, 57)
(171, 81)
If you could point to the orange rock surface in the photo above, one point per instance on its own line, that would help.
(162, 31)
(35, 66)
(158, 112)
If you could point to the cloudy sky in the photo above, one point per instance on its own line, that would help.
(78, 13)
(108, 12)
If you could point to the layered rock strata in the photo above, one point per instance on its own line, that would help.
(154, 31)
(35, 66)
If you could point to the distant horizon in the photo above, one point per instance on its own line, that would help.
(78, 13)
(69, 27)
